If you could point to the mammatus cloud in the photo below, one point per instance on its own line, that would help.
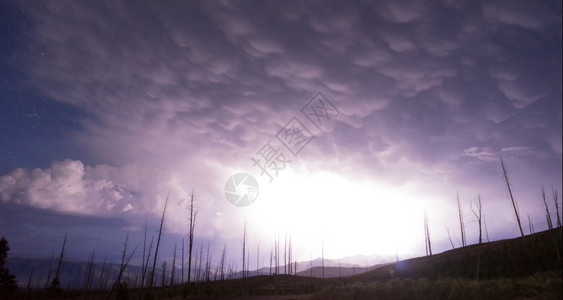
(223, 75)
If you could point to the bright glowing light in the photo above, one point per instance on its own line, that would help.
(351, 217)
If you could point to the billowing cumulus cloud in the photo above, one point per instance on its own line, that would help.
(179, 96)
(69, 186)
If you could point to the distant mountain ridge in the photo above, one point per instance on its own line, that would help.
(33, 270)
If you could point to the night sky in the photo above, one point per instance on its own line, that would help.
(105, 107)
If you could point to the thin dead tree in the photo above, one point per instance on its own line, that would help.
(248, 263)
(547, 215)
(105, 276)
(257, 259)
(449, 237)
(285, 254)
(557, 247)
(173, 266)
(289, 258)
(277, 255)
(222, 263)
(323, 255)
(486, 230)
(478, 212)
(151, 280)
(461, 224)
(183, 250)
(192, 222)
(50, 269)
(271, 254)
(425, 240)
(208, 263)
(163, 278)
(145, 260)
(427, 235)
(244, 250)
(102, 272)
(199, 276)
(556, 201)
(124, 263)
(145, 267)
(216, 273)
(57, 280)
(89, 269)
(531, 225)
(514, 204)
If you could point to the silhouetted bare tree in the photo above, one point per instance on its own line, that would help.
(89, 269)
(271, 255)
(50, 269)
(222, 263)
(556, 201)
(158, 242)
(514, 204)
(173, 266)
(163, 278)
(183, 251)
(547, 215)
(486, 230)
(208, 263)
(449, 236)
(199, 276)
(478, 212)
(146, 256)
(323, 255)
(57, 280)
(244, 250)
(531, 225)
(191, 231)
(285, 254)
(289, 258)
(103, 271)
(427, 235)
(461, 224)
(123, 265)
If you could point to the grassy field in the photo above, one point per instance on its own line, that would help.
(538, 286)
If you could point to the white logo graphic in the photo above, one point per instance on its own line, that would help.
(241, 189)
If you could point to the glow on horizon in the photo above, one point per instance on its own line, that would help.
(352, 218)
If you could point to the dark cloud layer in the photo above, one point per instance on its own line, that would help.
(182, 93)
